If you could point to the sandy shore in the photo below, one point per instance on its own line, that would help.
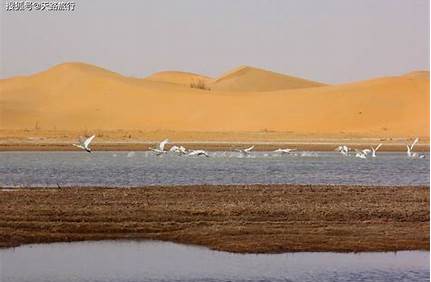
(123, 140)
(210, 146)
(256, 218)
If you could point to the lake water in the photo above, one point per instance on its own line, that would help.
(144, 168)
(162, 261)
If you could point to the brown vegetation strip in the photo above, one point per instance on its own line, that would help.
(252, 218)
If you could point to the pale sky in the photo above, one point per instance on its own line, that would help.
(330, 41)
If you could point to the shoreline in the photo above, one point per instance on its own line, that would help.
(234, 218)
(138, 140)
(209, 146)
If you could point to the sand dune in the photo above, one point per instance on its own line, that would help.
(241, 79)
(247, 78)
(178, 77)
(82, 97)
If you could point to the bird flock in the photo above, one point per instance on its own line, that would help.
(180, 150)
(84, 144)
(363, 154)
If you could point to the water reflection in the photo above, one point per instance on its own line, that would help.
(163, 261)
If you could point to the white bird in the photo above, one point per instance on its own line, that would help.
(198, 153)
(182, 150)
(85, 144)
(178, 149)
(174, 149)
(343, 149)
(410, 152)
(284, 151)
(362, 154)
(374, 150)
(413, 155)
(245, 151)
(161, 148)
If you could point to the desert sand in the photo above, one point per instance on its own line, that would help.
(178, 77)
(82, 97)
(251, 79)
(255, 218)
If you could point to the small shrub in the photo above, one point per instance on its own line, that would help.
(200, 84)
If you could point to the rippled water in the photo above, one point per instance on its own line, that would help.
(162, 261)
(144, 168)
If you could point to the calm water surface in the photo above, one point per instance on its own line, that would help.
(162, 261)
(144, 168)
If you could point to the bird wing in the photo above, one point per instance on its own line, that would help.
(249, 149)
(79, 146)
(162, 144)
(88, 141)
(414, 143)
(366, 151)
(378, 146)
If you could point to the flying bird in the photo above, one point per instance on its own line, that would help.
(198, 153)
(161, 148)
(410, 153)
(343, 149)
(85, 144)
(374, 150)
(284, 151)
(362, 154)
(178, 149)
(245, 151)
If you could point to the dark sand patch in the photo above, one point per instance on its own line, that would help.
(243, 218)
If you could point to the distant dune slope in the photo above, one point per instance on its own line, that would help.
(78, 96)
(178, 77)
(253, 79)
